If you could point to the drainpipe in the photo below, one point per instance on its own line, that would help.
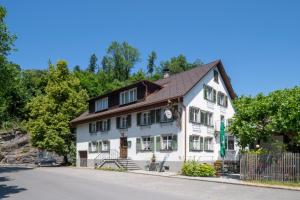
(185, 120)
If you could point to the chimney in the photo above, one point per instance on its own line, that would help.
(166, 72)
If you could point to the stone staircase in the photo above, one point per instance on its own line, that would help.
(128, 164)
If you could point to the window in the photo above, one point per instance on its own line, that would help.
(222, 99)
(209, 93)
(128, 96)
(208, 144)
(216, 76)
(230, 142)
(163, 118)
(105, 145)
(206, 118)
(194, 115)
(145, 118)
(167, 142)
(123, 122)
(146, 143)
(196, 143)
(101, 104)
(92, 127)
(93, 147)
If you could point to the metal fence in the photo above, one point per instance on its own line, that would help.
(279, 167)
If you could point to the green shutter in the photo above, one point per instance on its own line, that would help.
(152, 116)
(201, 143)
(138, 145)
(118, 122)
(100, 146)
(90, 128)
(157, 113)
(191, 143)
(226, 101)
(90, 147)
(138, 119)
(108, 145)
(174, 143)
(205, 91)
(101, 125)
(191, 114)
(175, 112)
(158, 148)
(152, 144)
(214, 96)
(205, 144)
(128, 121)
(218, 98)
(108, 124)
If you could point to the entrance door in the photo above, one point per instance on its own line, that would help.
(83, 158)
(123, 147)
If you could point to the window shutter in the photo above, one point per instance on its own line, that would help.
(90, 128)
(152, 116)
(191, 143)
(108, 124)
(138, 145)
(205, 91)
(214, 96)
(98, 126)
(90, 147)
(152, 144)
(191, 114)
(174, 143)
(138, 119)
(128, 120)
(157, 115)
(101, 125)
(100, 145)
(201, 143)
(157, 138)
(205, 144)
(108, 144)
(97, 147)
(118, 122)
(226, 101)
(218, 98)
(175, 112)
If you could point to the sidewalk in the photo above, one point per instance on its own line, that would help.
(224, 179)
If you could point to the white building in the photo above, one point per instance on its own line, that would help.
(176, 118)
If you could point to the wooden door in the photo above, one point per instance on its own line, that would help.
(83, 158)
(123, 147)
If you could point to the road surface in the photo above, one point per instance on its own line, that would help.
(62, 183)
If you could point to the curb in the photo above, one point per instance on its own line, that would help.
(223, 182)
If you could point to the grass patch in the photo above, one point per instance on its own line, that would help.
(278, 183)
(111, 169)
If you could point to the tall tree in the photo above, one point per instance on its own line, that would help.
(93, 64)
(120, 59)
(151, 62)
(50, 113)
(76, 68)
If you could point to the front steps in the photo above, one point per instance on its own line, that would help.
(121, 163)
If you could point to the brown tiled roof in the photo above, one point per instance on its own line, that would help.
(173, 88)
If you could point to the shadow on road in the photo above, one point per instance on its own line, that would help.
(7, 190)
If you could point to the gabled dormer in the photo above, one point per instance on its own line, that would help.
(127, 95)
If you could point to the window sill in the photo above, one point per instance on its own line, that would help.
(209, 151)
(145, 151)
(166, 150)
(196, 150)
(106, 151)
(104, 132)
(123, 128)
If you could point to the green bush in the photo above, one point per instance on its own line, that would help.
(193, 168)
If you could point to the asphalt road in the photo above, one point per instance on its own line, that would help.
(74, 184)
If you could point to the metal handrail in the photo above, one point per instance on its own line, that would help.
(107, 155)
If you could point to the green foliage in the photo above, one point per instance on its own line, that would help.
(151, 62)
(50, 113)
(93, 64)
(261, 117)
(119, 60)
(193, 168)
(178, 64)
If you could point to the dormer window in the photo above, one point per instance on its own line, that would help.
(216, 76)
(101, 104)
(128, 96)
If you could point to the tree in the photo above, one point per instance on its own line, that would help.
(151, 62)
(120, 59)
(93, 64)
(261, 117)
(50, 113)
(76, 68)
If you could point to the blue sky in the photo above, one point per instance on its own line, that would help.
(257, 41)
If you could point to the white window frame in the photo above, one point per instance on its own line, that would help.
(104, 125)
(145, 118)
(128, 96)
(123, 122)
(94, 145)
(196, 115)
(221, 99)
(93, 128)
(210, 119)
(197, 143)
(209, 146)
(166, 142)
(105, 145)
(146, 143)
(101, 104)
